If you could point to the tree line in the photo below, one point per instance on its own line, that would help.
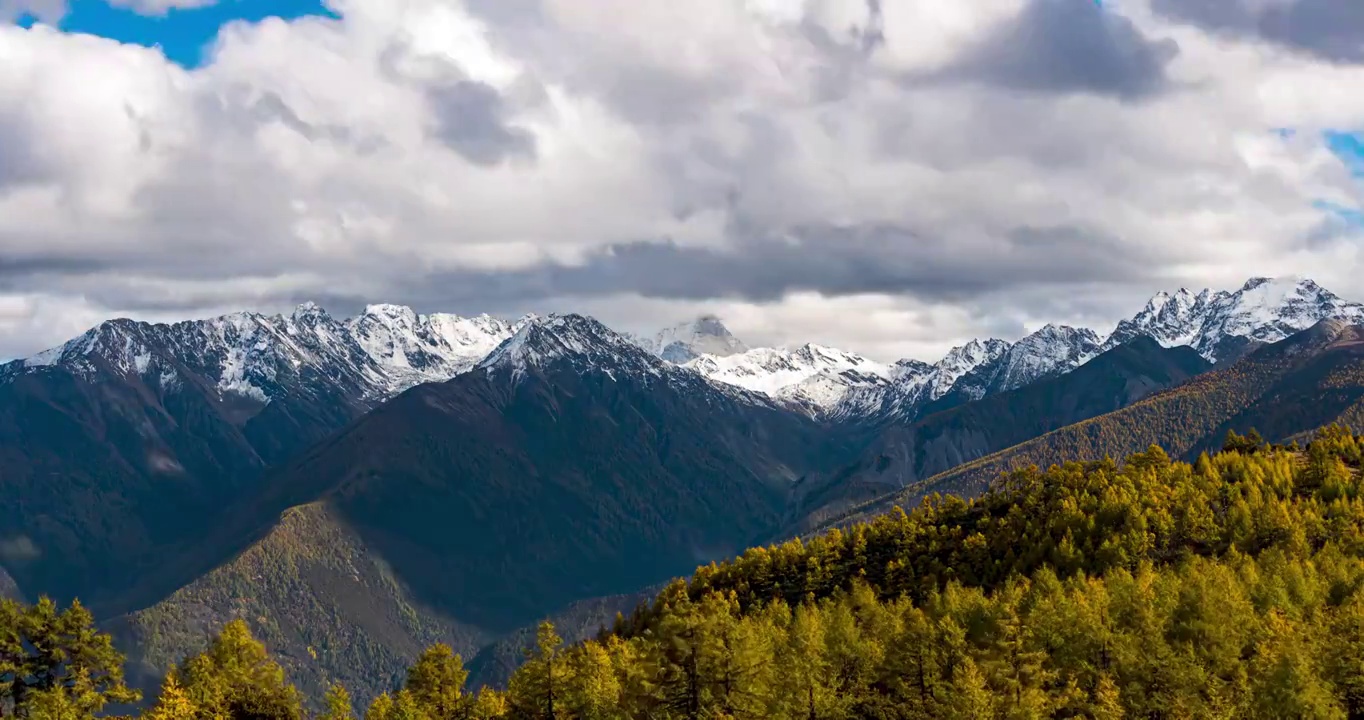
(1229, 587)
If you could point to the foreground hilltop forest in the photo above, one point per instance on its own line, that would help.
(1229, 587)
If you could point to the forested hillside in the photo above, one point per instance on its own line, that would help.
(328, 606)
(1232, 586)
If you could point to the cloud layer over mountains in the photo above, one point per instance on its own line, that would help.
(888, 176)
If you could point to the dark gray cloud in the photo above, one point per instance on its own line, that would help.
(22, 266)
(469, 116)
(1329, 29)
(853, 260)
(1068, 46)
(830, 260)
(472, 120)
(834, 261)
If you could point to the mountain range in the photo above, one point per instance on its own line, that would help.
(952, 432)
(1220, 325)
(389, 348)
(361, 487)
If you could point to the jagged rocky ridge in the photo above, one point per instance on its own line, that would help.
(951, 432)
(1223, 325)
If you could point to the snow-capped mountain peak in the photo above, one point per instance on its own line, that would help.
(1167, 304)
(1258, 282)
(1159, 301)
(575, 339)
(1218, 324)
(961, 360)
(770, 370)
(1221, 324)
(812, 376)
(1052, 350)
(309, 313)
(1169, 319)
(424, 348)
(396, 313)
(1051, 336)
(120, 342)
(1267, 310)
(838, 383)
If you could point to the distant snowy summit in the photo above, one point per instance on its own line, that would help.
(705, 335)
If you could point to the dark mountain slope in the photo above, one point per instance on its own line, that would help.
(570, 465)
(101, 469)
(131, 439)
(956, 430)
(1284, 390)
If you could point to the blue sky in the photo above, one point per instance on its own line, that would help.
(1353, 216)
(1349, 147)
(183, 35)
